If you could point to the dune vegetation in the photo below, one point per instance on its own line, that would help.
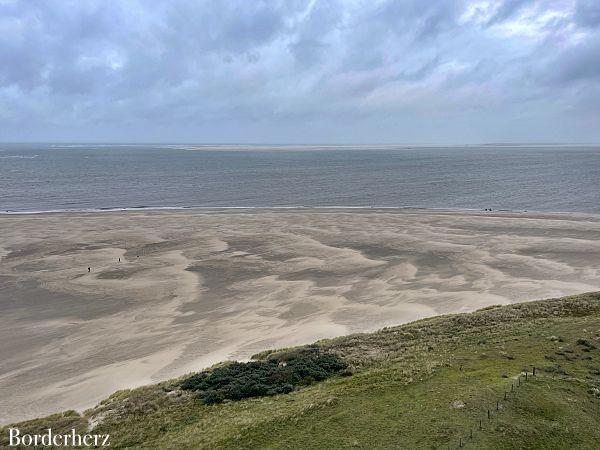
(520, 376)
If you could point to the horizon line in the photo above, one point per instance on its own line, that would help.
(288, 144)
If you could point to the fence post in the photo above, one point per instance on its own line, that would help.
(534, 371)
(488, 414)
(497, 405)
(525, 375)
(504, 395)
(480, 424)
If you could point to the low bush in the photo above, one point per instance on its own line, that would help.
(278, 374)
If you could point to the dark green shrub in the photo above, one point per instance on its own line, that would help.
(586, 344)
(278, 374)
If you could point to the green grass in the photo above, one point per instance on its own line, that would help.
(404, 383)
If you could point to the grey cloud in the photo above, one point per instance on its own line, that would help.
(587, 13)
(239, 71)
(309, 41)
(508, 9)
(577, 64)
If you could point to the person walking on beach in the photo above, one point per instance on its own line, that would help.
(89, 269)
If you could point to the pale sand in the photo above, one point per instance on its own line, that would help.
(213, 285)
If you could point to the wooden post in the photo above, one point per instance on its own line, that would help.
(460, 442)
(480, 424)
(512, 387)
(519, 380)
(534, 371)
(525, 375)
(488, 414)
(497, 405)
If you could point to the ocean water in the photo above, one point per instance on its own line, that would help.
(36, 177)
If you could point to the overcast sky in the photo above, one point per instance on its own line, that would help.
(248, 71)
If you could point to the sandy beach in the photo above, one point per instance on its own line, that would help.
(194, 287)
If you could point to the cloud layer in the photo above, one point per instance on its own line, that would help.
(300, 71)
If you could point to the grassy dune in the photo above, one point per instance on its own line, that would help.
(426, 384)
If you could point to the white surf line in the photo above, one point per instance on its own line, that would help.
(298, 207)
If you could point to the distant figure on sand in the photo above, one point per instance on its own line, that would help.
(119, 259)
(89, 269)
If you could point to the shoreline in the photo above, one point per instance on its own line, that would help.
(292, 208)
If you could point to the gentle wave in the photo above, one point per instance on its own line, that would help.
(18, 157)
(335, 207)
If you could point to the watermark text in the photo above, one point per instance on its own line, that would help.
(50, 438)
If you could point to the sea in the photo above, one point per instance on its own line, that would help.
(83, 177)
